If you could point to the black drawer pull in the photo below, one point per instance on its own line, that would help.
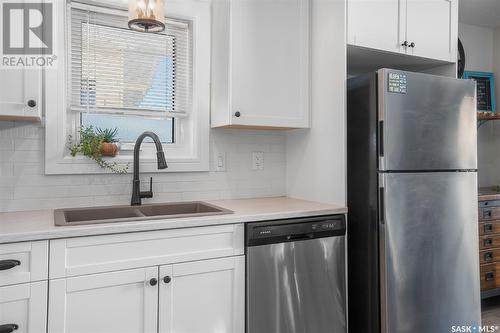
(8, 328)
(488, 242)
(489, 276)
(487, 213)
(488, 228)
(8, 264)
(488, 256)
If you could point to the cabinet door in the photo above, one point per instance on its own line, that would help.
(17, 87)
(117, 302)
(432, 26)
(376, 24)
(24, 306)
(203, 296)
(19, 84)
(270, 63)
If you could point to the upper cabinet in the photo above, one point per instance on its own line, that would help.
(20, 94)
(375, 24)
(424, 28)
(432, 27)
(260, 63)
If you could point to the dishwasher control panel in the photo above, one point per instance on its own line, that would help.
(295, 229)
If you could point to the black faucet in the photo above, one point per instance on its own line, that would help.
(137, 195)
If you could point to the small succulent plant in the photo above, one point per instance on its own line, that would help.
(107, 135)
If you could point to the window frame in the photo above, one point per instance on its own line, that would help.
(190, 150)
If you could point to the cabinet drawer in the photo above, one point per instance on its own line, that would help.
(23, 262)
(489, 213)
(24, 307)
(489, 256)
(490, 277)
(489, 227)
(489, 241)
(87, 255)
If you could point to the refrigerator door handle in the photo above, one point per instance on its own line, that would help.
(381, 138)
(381, 205)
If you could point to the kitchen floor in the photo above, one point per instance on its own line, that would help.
(490, 309)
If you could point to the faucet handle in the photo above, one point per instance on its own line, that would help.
(148, 194)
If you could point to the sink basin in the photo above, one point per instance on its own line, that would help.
(113, 214)
(188, 208)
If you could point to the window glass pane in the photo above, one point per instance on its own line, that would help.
(130, 127)
(126, 69)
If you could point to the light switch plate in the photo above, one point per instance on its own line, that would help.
(257, 160)
(220, 161)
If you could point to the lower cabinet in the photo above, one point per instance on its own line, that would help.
(23, 308)
(199, 296)
(203, 296)
(122, 301)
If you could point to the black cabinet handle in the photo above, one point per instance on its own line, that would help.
(488, 228)
(8, 264)
(237, 114)
(488, 242)
(167, 279)
(153, 281)
(405, 43)
(487, 213)
(412, 44)
(31, 103)
(488, 256)
(8, 328)
(489, 276)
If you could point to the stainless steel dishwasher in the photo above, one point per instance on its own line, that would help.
(296, 276)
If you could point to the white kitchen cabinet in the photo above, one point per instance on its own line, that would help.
(116, 302)
(431, 25)
(23, 307)
(203, 296)
(260, 63)
(23, 262)
(20, 94)
(423, 28)
(375, 24)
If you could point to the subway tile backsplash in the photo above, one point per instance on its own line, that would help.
(24, 186)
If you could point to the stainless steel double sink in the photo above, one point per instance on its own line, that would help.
(113, 214)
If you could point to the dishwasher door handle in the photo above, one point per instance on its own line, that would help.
(299, 237)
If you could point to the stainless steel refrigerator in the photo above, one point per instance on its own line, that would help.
(413, 261)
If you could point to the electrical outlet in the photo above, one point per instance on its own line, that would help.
(220, 161)
(258, 160)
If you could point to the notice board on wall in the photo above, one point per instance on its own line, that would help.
(485, 90)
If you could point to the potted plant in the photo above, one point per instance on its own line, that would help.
(109, 146)
(91, 146)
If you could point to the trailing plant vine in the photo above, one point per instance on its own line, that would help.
(90, 146)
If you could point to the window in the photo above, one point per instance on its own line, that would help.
(129, 80)
(110, 76)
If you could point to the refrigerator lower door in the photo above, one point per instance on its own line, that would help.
(429, 252)
(428, 125)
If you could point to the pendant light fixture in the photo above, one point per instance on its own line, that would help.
(146, 15)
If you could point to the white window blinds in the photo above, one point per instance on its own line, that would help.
(119, 71)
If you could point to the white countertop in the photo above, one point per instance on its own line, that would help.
(39, 224)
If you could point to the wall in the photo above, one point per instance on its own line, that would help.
(478, 45)
(489, 133)
(479, 48)
(23, 185)
(316, 158)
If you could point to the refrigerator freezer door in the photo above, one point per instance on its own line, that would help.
(429, 122)
(428, 252)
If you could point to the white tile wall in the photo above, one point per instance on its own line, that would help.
(24, 186)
